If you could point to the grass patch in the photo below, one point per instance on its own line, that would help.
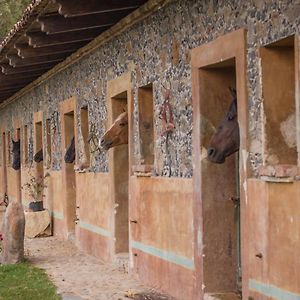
(25, 282)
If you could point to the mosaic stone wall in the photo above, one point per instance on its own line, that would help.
(157, 51)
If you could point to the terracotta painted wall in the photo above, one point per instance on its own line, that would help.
(54, 202)
(274, 237)
(2, 192)
(2, 187)
(11, 184)
(162, 237)
(95, 212)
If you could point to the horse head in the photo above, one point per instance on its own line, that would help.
(16, 164)
(70, 153)
(38, 157)
(117, 134)
(226, 139)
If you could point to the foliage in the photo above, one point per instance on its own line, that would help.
(25, 282)
(10, 12)
(35, 186)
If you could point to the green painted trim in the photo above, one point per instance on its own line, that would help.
(57, 215)
(95, 229)
(25, 203)
(165, 255)
(272, 291)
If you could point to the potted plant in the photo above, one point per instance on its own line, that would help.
(35, 190)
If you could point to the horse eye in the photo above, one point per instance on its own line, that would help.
(122, 124)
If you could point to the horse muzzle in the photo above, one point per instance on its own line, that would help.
(106, 144)
(214, 156)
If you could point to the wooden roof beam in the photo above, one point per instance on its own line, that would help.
(41, 39)
(56, 23)
(4, 96)
(12, 87)
(16, 61)
(20, 76)
(7, 89)
(24, 50)
(5, 93)
(7, 69)
(70, 8)
(17, 81)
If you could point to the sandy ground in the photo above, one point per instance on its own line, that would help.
(80, 276)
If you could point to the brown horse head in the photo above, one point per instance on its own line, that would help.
(117, 134)
(38, 157)
(16, 164)
(226, 139)
(70, 153)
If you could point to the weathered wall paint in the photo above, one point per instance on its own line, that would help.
(273, 231)
(95, 212)
(161, 232)
(54, 202)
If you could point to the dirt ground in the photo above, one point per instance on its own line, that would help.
(80, 276)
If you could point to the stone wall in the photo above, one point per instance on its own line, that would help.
(156, 50)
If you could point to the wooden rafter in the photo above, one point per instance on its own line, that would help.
(12, 82)
(24, 50)
(52, 30)
(11, 88)
(56, 23)
(70, 8)
(5, 95)
(4, 77)
(7, 69)
(17, 61)
(41, 39)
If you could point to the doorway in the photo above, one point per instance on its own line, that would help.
(18, 177)
(120, 176)
(219, 189)
(3, 176)
(4, 166)
(69, 177)
(39, 166)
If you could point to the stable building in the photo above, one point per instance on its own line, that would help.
(72, 72)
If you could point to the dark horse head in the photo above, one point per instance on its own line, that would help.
(16, 164)
(38, 157)
(226, 139)
(70, 153)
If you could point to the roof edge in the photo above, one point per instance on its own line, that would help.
(138, 15)
(28, 12)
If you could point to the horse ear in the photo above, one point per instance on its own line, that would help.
(232, 92)
(232, 110)
(232, 113)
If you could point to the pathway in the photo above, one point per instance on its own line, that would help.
(79, 276)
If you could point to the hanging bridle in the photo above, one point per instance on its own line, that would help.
(166, 114)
